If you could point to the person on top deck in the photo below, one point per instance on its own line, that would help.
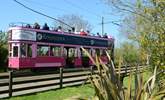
(45, 27)
(36, 26)
(98, 34)
(105, 35)
(83, 33)
(73, 29)
(59, 29)
(88, 32)
(28, 26)
(69, 31)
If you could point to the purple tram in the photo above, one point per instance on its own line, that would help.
(35, 48)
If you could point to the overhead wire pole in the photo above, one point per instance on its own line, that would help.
(102, 23)
(42, 14)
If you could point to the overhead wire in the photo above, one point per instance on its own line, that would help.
(42, 13)
(45, 5)
(74, 5)
(51, 7)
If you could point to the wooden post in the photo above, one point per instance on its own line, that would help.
(10, 83)
(126, 68)
(61, 77)
(92, 70)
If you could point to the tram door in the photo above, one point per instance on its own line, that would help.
(84, 57)
(70, 56)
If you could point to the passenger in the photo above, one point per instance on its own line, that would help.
(28, 26)
(59, 29)
(69, 31)
(45, 27)
(36, 26)
(73, 29)
(83, 33)
(105, 35)
(88, 32)
(98, 34)
(51, 51)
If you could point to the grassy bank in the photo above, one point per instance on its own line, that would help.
(85, 91)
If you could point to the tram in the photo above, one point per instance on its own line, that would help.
(37, 48)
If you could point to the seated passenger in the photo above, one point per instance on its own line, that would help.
(98, 34)
(83, 33)
(59, 29)
(69, 31)
(73, 29)
(45, 27)
(105, 35)
(88, 32)
(36, 26)
(28, 26)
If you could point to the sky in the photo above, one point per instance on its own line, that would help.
(90, 10)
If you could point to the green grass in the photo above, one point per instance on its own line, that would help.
(146, 75)
(84, 91)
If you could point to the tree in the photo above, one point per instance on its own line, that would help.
(75, 21)
(148, 29)
(128, 52)
(3, 50)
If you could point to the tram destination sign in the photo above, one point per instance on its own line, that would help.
(72, 40)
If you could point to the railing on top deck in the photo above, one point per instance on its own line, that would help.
(24, 25)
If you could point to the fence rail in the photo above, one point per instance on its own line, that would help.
(16, 83)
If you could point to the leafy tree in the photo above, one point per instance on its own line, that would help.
(128, 53)
(3, 50)
(75, 21)
(147, 29)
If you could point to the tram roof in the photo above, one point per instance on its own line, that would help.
(50, 36)
(64, 33)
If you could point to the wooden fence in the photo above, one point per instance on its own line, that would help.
(16, 83)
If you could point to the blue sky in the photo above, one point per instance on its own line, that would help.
(90, 10)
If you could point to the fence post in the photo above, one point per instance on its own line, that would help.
(61, 77)
(92, 70)
(10, 83)
(126, 68)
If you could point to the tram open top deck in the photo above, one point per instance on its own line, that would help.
(36, 48)
(50, 36)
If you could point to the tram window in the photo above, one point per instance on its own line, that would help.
(109, 51)
(15, 51)
(98, 52)
(73, 52)
(84, 54)
(103, 52)
(55, 51)
(42, 50)
(23, 50)
(10, 49)
(65, 52)
(29, 50)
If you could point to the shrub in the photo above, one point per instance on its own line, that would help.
(107, 83)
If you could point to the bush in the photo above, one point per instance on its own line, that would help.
(3, 58)
(108, 86)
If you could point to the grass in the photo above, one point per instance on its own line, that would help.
(146, 75)
(84, 91)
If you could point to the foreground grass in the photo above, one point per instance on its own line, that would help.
(84, 91)
(145, 76)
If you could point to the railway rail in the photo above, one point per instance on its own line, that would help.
(15, 83)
